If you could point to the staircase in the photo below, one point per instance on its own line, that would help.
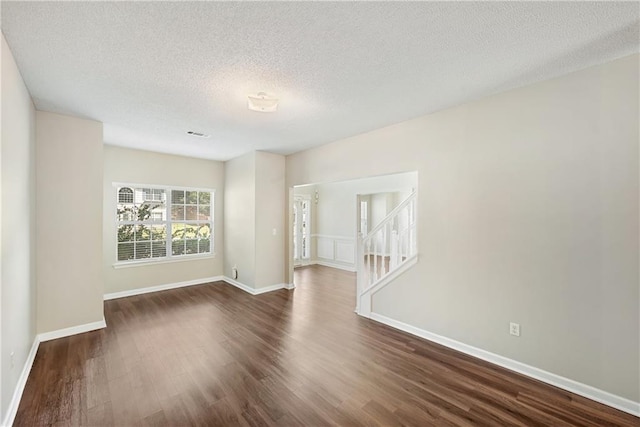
(386, 252)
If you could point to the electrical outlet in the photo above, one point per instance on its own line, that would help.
(514, 329)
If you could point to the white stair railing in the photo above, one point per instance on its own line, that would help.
(386, 249)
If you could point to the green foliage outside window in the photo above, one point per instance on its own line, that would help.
(147, 236)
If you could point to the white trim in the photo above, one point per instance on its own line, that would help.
(327, 236)
(162, 260)
(302, 263)
(581, 389)
(270, 288)
(350, 268)
(335, 251)
(161, 187)
(290, 286)
(61, 333)
(12, 410)
(402, 268)
(345, 252)
(140, 291)
(325, 248)
(253, 291)
(168, 222)
(239, 285)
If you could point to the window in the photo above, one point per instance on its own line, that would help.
(125, 195)
(191, 232)
(153, 194)
(163, 223)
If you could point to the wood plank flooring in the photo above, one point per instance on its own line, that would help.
(214, 355)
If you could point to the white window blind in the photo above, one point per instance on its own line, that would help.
(157, 223)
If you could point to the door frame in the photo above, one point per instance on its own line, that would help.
(298, 198)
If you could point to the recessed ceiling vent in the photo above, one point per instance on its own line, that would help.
(198, 134)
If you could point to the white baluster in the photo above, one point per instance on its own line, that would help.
(360, 271)
(383, 267)
(396, 240)
(393, 261)
(368, 261)
(414, 228)
(375, 258)
(409, 221)
(403, 245)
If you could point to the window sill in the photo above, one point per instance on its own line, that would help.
(129, 264)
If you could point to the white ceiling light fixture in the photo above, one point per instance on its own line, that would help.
(262, 103)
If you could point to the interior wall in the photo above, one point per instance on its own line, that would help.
(336, 209)
(18, 229)
(270, 219)
(240, 218)
(144, 167)
(255, 195)
(69, 163)
(381, 205)
(528, 213)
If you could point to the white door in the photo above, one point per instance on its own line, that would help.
(301, 229)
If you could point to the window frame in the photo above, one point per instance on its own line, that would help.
(169, 257)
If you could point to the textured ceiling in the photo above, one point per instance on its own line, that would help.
(150, 71)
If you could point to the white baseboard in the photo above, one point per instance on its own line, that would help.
(303, 263)
(12, 410)
(350, 268)
(239, 285)
(290, 286)
(253, 291)
(140, 291)
(269, 288)
(584, 390)
(61, 333)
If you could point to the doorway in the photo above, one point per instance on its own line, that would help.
(301, 230)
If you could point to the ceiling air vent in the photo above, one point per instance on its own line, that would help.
(198, 134)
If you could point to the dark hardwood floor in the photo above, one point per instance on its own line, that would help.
(215, 355)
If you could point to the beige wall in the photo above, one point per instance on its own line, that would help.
(69, 221)
(255, 197)
(144, 167)
(240, 218)
(527, 212)
(18, 230)
(270, 198)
